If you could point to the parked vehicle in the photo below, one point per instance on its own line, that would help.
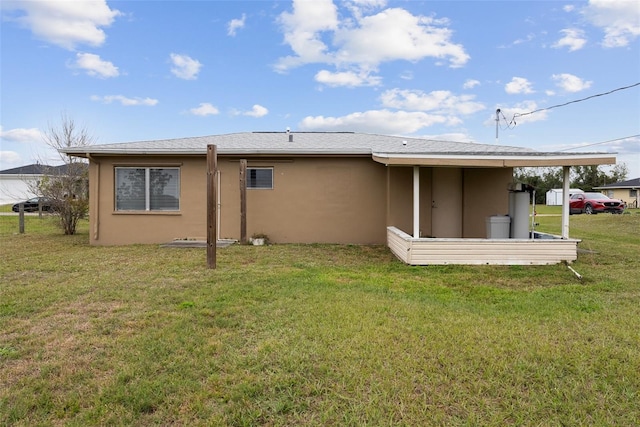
(32, 205)
(592, 203)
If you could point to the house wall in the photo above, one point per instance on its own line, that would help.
(314, 200)
(485, 193)
(623, 194)
(16, 188)
(400, 200)
(108, 227)
(337, 200)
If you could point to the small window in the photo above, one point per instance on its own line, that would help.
(633, 193)
(147, 189)
(261, 178)
(610, 194)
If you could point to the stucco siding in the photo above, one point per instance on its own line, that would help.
(341, 200)
(485, 194)
(313, 200)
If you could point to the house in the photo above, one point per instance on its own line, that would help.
(624, 190)
(21, 183)
(554, 196)
(17, 184)
(428, 200)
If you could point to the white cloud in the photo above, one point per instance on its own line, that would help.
(470, 84)
(375, 121)
(94, 66)
(185, 67)
(21, 135)
(204, 109)
(347, 78)
(64, 23)
(571, 83)
(317, 33)
(235, 24)
(440, 101)
(123, 100)
(396, 34)
(9, 158)
(568, 8)
(573, 39)
(303, 32)
(407, 75)
(256, 111)
(518, 85)
(620, 20)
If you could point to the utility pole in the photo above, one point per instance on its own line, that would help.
(497, 123)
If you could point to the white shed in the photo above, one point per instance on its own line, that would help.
(554, 196)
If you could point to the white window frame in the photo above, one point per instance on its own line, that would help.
(249, 169)
(147, 188)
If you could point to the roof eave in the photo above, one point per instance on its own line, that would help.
(507, 160)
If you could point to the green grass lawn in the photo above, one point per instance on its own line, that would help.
(315, 334)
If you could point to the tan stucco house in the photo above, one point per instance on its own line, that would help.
(428, 200)
(628, 191)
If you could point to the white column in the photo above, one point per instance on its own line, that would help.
(565, 201)
(416, 201)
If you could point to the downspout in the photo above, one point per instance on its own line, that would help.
(96, 213)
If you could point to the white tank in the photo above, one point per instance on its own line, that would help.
(519, 213)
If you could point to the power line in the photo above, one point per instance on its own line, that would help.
(600, 143)
(570, 102)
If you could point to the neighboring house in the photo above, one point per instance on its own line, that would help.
(18, 184)
(624, 190)
(554, 196)
(324, 187)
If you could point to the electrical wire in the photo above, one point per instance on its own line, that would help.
(600, 143)
(570, 102)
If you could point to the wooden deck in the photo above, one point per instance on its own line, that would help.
(441, 251)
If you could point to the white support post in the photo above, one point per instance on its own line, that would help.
(565, 201)
(416, 201)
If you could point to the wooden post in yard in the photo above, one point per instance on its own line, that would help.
(243, 201)
(212, 205)
(21, 218)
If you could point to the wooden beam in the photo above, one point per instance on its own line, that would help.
(243, 200)
(212, 205)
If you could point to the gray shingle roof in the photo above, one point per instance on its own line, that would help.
(302, 143)
(33, 169)
(630, 183)
(309, 143)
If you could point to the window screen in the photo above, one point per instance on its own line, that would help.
(260, 178)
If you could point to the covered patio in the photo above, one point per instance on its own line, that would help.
(530, 248)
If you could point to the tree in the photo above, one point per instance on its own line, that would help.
(542, 179)
(67, 186)
(587, 177)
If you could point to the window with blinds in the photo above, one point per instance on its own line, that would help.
(147, 189)
(260, 178)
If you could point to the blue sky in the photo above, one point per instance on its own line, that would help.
(141, 70)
